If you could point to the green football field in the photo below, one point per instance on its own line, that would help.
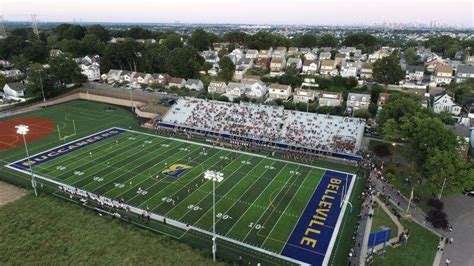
(258, 203)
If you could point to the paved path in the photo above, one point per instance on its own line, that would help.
(460, 211)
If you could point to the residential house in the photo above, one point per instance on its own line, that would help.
(464, 72)
(194, 84)
(293, 51)
(112, 76)
(310, 66)
(294, 62)
(176, 82)
(444, 102)
(431, 65)
(414, 73)
(265, 53)
(139, 78)
(443, 74)
(310, 56)
(339, 58)
(347, 51)
(358, 101)
(234, 90)
(218, 87)
(349, 69)
(218, 46)
(5, 63)
(304, 95)
(469, 60)
(262, 63)
(251, 54)
(55, 52)
(382, 53)
(304, 50)
(383, 98)
(279, 52)
(14, 91)
(366, 71)
(325, 56)
(255, 89)
(277, 64)
(91, 71)
(11, 73)
(236, 55)
(330, 98)
(126, 76)
(328, 67)
(279, 91)
(160, 78)
(210, 56)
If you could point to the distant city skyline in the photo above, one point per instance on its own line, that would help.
(307, 12)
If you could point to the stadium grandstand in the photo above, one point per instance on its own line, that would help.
(340, 136)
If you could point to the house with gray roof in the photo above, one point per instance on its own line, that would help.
(356, 101)
(14, 91)
(464, 72)
(194, 84)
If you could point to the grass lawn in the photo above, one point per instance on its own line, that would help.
(419, 250)
(382, 220)
(45, 230)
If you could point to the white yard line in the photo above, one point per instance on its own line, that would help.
(235, 201)
(271, 204)
(187, 183)
(289, 203)
(263, 192)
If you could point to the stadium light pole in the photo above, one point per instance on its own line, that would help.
(23, 130)
(42, 89)
(214, 177)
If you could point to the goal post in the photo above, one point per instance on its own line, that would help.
(63, 136)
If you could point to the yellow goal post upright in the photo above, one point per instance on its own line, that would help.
(66, 136)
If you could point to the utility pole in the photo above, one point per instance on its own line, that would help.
(3, 32)
(34, 24)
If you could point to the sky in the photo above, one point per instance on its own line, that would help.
(308, 12)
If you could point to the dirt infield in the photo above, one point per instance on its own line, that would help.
(9, 193)
(39, 127)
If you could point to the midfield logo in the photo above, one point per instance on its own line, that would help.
(176, 170)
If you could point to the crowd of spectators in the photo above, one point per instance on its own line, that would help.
(269, 123)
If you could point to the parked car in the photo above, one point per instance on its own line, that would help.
(469, 192)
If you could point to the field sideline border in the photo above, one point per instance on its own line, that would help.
(184, 226)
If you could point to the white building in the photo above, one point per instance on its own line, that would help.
(349, 69)
(330, 98)
(194, 84)
(464, 72)
(356, 101)
(255, 89)
(14, 91)
(218, 87)
(92, 71)
(443, 74)
(310, 66)
(279, 91)
(444, 102)
(304, 96)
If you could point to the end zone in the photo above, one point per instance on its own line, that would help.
(314, 235)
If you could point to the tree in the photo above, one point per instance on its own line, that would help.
(100, 32)
(399, 106)
(155, 57)
(411, 57)
(260, 40)
(64, 70)
(39, 79)
(173, 41)
(184, 62)
(235, 37)
(351, 83)
(369, 41)
(123, 55)
(388, 71)
(328, 40)
(362, 113)
(200, 39)
(306, 40)
(91, 44)
(382, 150)
(462, 91)
(36, 52)
(227, 69)
(438, 219)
